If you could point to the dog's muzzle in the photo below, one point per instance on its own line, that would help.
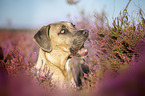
(78, 44)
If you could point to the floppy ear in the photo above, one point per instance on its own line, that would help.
(42, 38)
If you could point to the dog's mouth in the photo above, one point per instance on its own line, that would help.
(77, 49)
(79, 52)
(82, 51)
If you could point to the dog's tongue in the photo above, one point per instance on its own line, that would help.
(83, 52)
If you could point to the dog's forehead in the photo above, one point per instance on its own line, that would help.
(66, 24)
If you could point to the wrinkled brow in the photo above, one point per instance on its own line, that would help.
(73, 25)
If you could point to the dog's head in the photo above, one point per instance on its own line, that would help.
(64, 36)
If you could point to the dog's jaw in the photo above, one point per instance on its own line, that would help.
(78, 52)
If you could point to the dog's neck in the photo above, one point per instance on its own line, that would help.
(57, 57)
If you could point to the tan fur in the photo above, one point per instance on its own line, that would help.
(55, 61)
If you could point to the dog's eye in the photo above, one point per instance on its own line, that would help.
(62, 31)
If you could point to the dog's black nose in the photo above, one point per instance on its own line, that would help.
(85, 32)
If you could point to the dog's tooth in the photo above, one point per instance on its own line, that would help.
(86, 50)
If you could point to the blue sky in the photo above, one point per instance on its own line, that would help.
(36, 13)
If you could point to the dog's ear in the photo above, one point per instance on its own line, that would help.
(42, 38)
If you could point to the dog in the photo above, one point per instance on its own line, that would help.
(58, 43)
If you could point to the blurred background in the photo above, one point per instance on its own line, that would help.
(116, 45)
(32, 14)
